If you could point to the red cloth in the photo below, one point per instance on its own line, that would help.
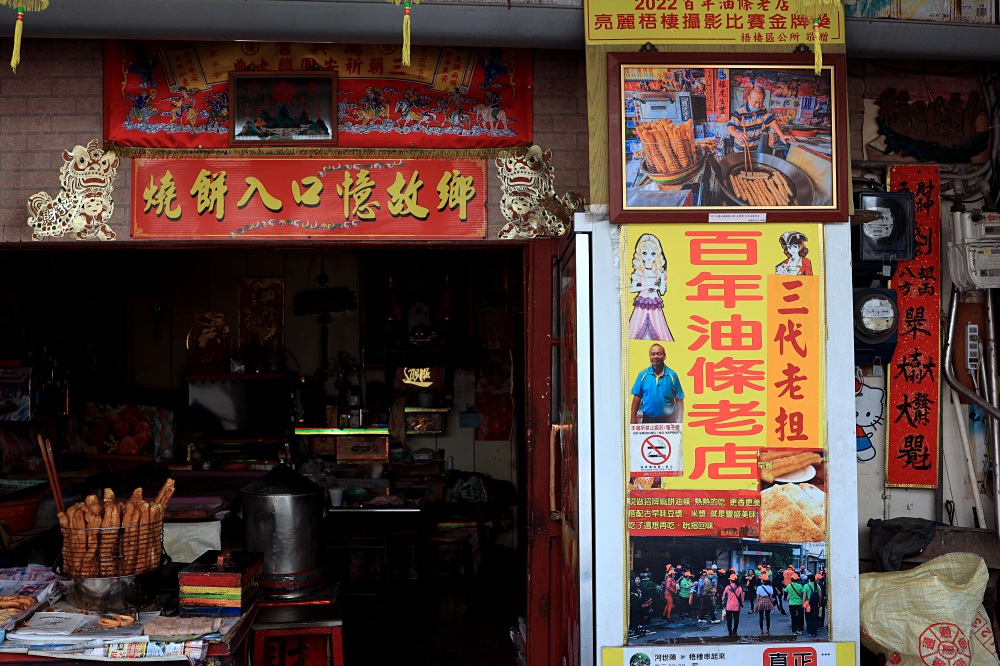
(176, 95)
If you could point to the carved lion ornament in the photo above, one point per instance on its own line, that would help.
(84, 205)
(528, 201)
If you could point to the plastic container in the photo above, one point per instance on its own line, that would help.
(20, 513)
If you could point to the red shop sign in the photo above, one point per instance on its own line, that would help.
(228, 198)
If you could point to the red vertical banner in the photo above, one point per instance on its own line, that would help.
(914, 410)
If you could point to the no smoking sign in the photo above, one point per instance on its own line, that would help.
(655, 449)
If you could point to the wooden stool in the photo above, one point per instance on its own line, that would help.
(456, 541)
(309, 635)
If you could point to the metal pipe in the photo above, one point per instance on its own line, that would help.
(963, 433)
(949, 372)
(991, 359)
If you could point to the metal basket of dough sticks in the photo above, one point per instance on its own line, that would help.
(121, 569)
(103, 552)
(112, 555)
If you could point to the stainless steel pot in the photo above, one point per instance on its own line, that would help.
(281, 516)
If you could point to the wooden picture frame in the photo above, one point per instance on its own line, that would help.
(282, 109)
(261, 325)
(674, 159)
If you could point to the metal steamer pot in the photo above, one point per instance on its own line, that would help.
(732, 164)
(281, 516)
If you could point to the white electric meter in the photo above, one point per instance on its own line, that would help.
(974, 256)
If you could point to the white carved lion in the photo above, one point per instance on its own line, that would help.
(84, 204)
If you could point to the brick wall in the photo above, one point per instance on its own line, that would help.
(560, 105)
(54, 103)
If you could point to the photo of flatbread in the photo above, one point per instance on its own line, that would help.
(790, 513)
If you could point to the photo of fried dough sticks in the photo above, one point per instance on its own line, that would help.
(759, 189)
(668, 147)
(775, 464)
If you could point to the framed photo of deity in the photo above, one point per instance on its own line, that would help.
(282, 109)
(712, 137)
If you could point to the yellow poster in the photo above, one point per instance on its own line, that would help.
(762, 22)
(725, 442)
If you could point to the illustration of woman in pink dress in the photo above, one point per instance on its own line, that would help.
(649, 283)
(794, 245)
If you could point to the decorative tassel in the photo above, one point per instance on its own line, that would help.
(817, 49)
(406, 27)
(15, 57)
(406, 33)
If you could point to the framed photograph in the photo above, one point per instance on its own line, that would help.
(283, 108)
(262, 323)
(699, 137)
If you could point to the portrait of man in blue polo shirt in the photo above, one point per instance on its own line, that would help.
(748, 122)
(657, 392)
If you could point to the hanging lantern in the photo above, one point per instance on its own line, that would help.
(406, 27)
(21, 6)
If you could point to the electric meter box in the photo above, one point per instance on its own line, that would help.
(974, 265)
(890, 238)
(876, 321)
(974, 255)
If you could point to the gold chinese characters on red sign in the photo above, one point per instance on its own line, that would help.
(231, 198)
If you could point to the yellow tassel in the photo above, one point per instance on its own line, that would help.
(817, 49)
(406, 34)
(15, 57)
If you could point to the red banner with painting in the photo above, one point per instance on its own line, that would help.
(176, 94)
(912, 448)
(229, 198)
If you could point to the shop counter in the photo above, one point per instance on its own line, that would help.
(231, 650)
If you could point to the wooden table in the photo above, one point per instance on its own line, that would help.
(230, 650)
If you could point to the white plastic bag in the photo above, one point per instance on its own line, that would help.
(929, 615)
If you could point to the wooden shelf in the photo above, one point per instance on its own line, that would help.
(336, 432)
(239, 376)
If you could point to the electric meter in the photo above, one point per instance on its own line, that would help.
(876, 320)
(974, 256)
(889, 237)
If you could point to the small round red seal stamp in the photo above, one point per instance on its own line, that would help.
(944, 644)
